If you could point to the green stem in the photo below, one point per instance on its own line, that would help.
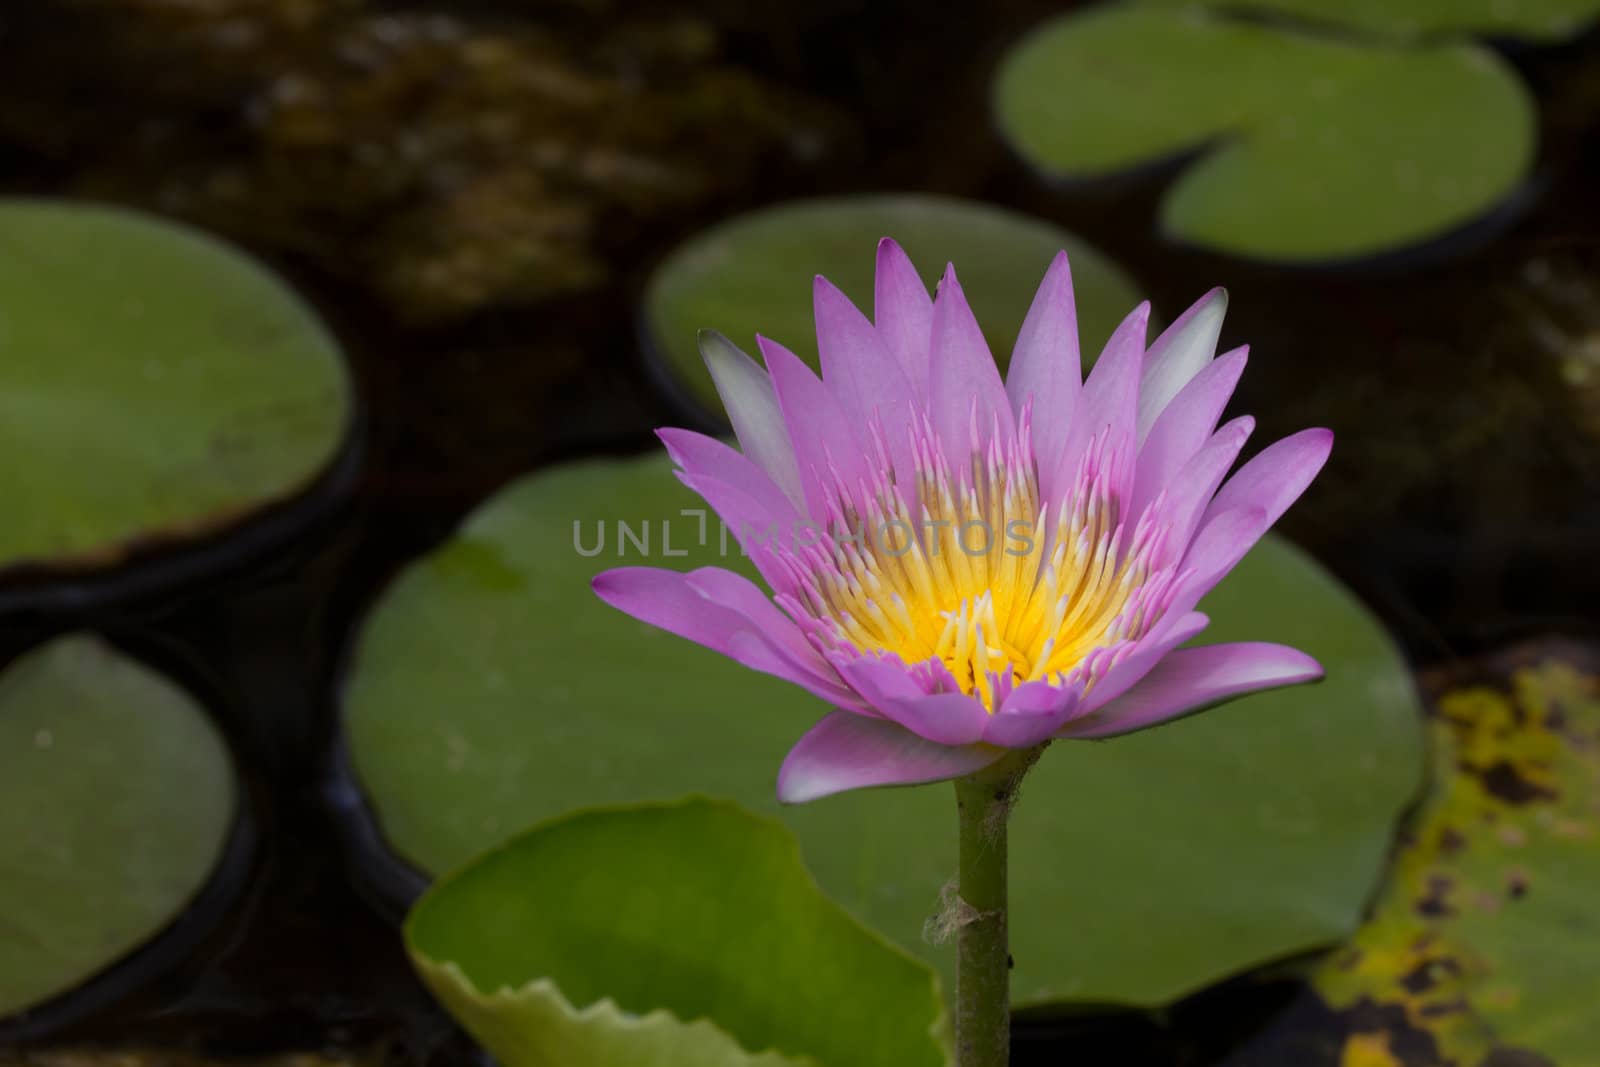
(983, 970)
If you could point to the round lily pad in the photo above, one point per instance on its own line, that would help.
(752, 273)
(1543, 20)
(116, 800)
(156, 386)
(1307, 148)
(691, 935)
(490, 689)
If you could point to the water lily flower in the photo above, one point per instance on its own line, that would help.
(964, 567)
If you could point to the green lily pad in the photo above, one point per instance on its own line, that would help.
(1486, 936)
(489, 690)
(689, 935)
(1541, 20)
(752, 273)
(155, 385)
(116, 800)
(1308, 148)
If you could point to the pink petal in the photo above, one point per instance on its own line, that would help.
(670, 601)
(868, 382)
(846, 751)
(1246, 506)
(754, 526)
(1044, 364)
(1110, 398)
(903, 314)
(1172, 631)
(1032, 713)
(946, 718)
(740, 594)
(1180, 353)
(963, 377)
(708, 457)
(752, 408)
(825, 439)
(1191, 490)
(1193, 679)
(1185, 426)
(1222, 542)
(1276, 477)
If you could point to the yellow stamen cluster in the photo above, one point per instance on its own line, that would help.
(976, 572)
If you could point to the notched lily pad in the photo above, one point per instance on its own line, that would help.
(1542, 20)
(1309, 149)
(681, 935)
(1486, 938)
(116, 801)
(490, 689)
(752, 273)
(155, 386)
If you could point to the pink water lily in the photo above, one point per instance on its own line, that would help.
(964, 566)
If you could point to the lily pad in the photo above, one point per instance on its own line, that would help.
(752, 273)
(490, 690)
(116, 800)
(1486, 936)
(690, 935)
(1541, 20)
(155, 386)
(1308, 148)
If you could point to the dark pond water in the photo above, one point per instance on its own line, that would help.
(344, 142)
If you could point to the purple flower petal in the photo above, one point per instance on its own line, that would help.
(1032, 713)
(1276, 477)
(825, 439)
(846, 751)
(1185, 426)
(945, 718)
(1171, 632)
(1180, 353)
(740, 594)
(707, 457)
(752, 408)
(1045, 365)
(963, 377)
(863, 376)
(903, 314)
(1191, 491)
(1246, 506)
(668, 600)
(753, 525)
(1193, 679)
(1109, 400)
(1222, 542)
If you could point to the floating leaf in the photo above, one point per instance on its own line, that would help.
(679, 935)
(154, 385)
(116, 798)
(490, 689)
(1487, 935)
(1545, 20)
(1309, 148)
(751, 273)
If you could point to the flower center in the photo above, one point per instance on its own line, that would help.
(971, 571)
